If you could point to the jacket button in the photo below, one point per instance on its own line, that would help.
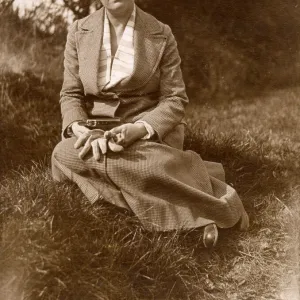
(101, 198)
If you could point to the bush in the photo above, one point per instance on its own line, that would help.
(230, 48)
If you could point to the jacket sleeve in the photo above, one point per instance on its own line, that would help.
(171, 107)
(72, 93)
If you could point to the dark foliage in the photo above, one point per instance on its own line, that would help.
(230, 48)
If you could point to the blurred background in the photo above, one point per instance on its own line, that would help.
(229, 49)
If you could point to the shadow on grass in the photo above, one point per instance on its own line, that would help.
(69, 249)
(79, 251)
(247, 167)
(256, 177)
(30, 118)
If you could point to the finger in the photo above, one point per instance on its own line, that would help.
(103, 145)
(86, 148)
(108, 135)
(121, 138)
(117, 130)
(114, 147)
(118, 139)
(96, 150)
(81, 140)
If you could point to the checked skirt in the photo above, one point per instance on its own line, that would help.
(166, 188)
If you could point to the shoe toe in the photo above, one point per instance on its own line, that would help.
(210, 236)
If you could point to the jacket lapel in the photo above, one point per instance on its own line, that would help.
(89, 41)
(149, 45)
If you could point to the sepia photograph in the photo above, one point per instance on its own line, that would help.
(150, 150)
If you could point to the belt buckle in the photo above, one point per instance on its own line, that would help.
(91, 123)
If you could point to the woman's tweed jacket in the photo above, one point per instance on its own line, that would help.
(166, 187)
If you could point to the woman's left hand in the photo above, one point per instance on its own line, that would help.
(126, 134)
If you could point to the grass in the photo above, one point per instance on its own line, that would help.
(55, 245)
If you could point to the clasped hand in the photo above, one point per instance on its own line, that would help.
(101, 141)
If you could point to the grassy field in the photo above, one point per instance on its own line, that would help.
(54, 245)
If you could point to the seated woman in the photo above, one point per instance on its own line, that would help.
(122, 62)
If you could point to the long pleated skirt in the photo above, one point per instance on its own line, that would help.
(164, 187)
